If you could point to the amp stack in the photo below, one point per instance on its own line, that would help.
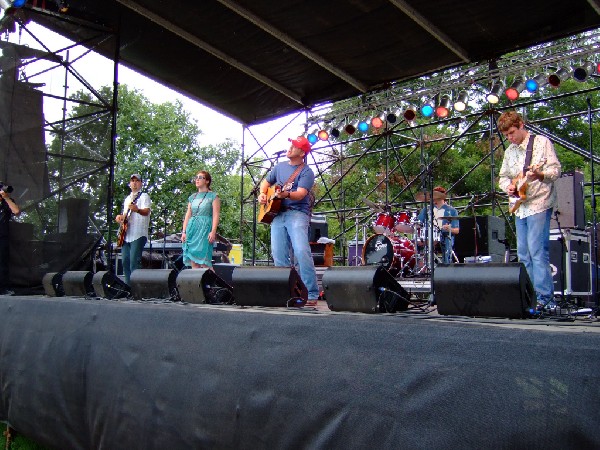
(570, 243)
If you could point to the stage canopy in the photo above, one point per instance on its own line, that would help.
(257, 60)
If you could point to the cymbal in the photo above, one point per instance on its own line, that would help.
(373, 205)
(424, 196)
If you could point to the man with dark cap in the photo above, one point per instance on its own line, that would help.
(289, 227)
(134, 220)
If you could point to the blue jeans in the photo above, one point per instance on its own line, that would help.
(533, 250)
(289, 233)
(446, 244)
(131, 253)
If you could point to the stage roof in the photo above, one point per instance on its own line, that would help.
(255, 60)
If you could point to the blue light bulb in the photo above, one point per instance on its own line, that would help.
(312, 138)
(363, 126)
(531, 85)
(427, 110)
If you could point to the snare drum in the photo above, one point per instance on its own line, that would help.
(394, 253)
(384, 223)
(403, 222)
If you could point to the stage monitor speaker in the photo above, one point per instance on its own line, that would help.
(52, 283)
(203, 286)
(108, 285)
(78, 283)
(367, 289)
(569, 199)
(149, 284)
(225, 271)
(490, 229)
(489, 290)
(268, 286)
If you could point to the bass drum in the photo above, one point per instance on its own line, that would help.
(396, 254)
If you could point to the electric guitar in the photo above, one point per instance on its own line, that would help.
(123, 228)
(521, 184)
(269, 210)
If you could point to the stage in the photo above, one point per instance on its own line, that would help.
(96, 373)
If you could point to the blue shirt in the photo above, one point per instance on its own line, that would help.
(305, 179)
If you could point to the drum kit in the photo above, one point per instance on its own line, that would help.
(400, 242)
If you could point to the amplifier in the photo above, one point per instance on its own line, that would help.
(570, 260)
(483, 239)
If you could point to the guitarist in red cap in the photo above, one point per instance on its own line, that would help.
(289, 227)
(527, 175)
(134, 221)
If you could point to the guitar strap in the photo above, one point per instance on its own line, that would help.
(528, 153)
(136, 198)
(294, 175)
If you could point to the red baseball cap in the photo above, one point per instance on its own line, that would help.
(302, 143)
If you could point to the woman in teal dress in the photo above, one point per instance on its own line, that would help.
(200, 223)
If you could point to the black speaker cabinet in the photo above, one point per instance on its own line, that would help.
(108, 285)
(489, 230)
(154, 284)
(78, 283)
(73, 216)
(52, 283)
(569, 197)
(490, 290)
(203, 286)
(367, 289)
(225, 271)
(268, 286)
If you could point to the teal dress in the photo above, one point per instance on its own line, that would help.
(196, 247)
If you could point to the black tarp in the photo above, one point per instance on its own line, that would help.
(84, 374)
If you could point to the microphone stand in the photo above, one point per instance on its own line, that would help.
(476, 231)
(164, 245)
(563, 256)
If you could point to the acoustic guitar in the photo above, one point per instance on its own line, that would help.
(520, 182)
(123, 228)
(269, 210)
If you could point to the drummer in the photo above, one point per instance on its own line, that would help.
(446, 228)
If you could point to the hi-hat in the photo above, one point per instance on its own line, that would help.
(425, 196)
(373, 205)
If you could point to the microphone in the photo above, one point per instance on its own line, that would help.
(279, 153)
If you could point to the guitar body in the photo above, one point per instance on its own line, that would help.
(123, 228)
(121, 234)
(268, 211)
(520, 182)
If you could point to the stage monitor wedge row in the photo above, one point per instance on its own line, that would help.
(203, 286)
(78, 283)
(367, 289)
(52, 283)
(108, 285)
(147, 284)
(488, 290)
(268, 286)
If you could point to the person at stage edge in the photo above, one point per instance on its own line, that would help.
(8, 208)
(199, 230)
(447, 227)
(290, 226)
(138, 205)
(532, 218)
